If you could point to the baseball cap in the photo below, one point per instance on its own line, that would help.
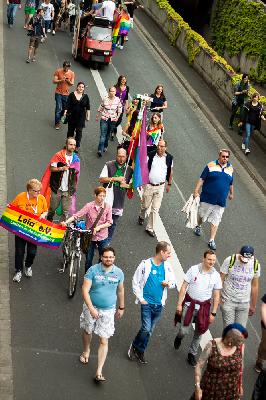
(246, 252)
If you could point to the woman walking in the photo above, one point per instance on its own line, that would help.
(96, 211)
(251, 118)
(77, 111)
(222, 379)
(110, 110)
(155, 132)
(122, 91)
(159, 102)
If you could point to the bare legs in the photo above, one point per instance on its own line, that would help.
(102, 351)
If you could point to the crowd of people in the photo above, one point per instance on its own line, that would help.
(234, 288)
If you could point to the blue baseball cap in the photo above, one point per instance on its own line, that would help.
(246, 253)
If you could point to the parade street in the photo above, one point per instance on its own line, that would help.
(45, 334)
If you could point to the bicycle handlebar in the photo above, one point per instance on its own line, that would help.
(72, 228)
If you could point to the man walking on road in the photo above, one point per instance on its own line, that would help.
(215, 182)
(150, 283)
(33, 202)
(202, 283)
(103, 284)
(64, 79)
(36, 32)
(160, 165)
(116, 176)
(240, 276)
(12, 7)
(60, 180)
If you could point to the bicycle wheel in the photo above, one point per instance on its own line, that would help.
(73, 275)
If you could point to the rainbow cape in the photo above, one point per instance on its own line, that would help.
(138, 151)
(60, 156)
(29, 227)
(125, 24)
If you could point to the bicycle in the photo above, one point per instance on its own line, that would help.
(72, 255)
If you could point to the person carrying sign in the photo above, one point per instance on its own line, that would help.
(35, 203)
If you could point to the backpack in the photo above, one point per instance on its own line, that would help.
(233, 259)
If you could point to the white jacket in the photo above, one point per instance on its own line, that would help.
(191, 209)
(141, 275)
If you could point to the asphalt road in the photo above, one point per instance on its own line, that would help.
(46, 340)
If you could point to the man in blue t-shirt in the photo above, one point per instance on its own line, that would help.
(216, 182)
(103, 284)
(150, 282)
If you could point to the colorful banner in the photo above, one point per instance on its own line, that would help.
(29, 227)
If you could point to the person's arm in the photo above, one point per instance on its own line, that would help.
(121, 300)
(165, 105)
(70, 81)
(107, 179)
(88, 112)
(170, 180)
(181, 297)
(43, 215)
(138, 283)
(59, 169)
(253, 295)
(198, 187)
(231, 192)
(86, 297)
(222, 275)
(216, 301)
(203, 358)
(56, 79)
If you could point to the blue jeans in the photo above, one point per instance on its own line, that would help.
(150, 314)
(111, 228)
(11, 13)
(60, 106)
(101, 245)
(106, 127)
(47, 25)
(249, 130)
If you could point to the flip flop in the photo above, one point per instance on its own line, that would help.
(84, 358)
(99, 378)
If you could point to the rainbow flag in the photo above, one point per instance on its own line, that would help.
(125, 24)
(154, 135)
(29, 227)
(115, 32)
(138, 151)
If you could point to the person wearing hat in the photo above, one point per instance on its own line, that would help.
(240, 276)
(222, 378)
(63, 79)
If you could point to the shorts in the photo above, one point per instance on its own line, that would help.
(211, 213)
(34, 42)
(29, 10)
(104, 326)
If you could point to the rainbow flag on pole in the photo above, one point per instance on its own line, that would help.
(29, 227)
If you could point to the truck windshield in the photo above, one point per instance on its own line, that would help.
(101, 34)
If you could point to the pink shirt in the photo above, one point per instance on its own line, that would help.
(91, 210)
(110, 108)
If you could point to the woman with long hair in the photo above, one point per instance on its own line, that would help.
(77, 111)
(154, 131)
(122, 91)
(251, 119)
(159, 103)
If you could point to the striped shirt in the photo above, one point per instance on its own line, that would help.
(110, 108)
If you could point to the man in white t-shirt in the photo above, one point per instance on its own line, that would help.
(48, 9)
(108, 9)
(202, 283)
(240, 276)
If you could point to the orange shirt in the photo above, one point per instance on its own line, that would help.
(36, 205)
(63, 87)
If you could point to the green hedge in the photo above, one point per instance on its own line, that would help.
(240, 26)
(195, 42)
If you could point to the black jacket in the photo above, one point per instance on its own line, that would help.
(259, 392)
(245, 114)
(56, 178)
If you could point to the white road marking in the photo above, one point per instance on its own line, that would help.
(160, 230)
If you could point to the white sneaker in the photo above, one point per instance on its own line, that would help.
(121, 47)
(53, 33)
(17, 277)
(48, 30)
(247, 151)
(243, 146)
(28, 272)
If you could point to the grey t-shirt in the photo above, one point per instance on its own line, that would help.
(237, 283)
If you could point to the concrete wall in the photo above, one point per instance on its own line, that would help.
(213, 73)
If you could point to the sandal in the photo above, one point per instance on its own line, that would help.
(99, 378)
(84, 358)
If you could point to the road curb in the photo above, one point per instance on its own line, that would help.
(253, 173)
(6, 374)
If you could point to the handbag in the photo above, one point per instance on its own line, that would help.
(86, 237)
